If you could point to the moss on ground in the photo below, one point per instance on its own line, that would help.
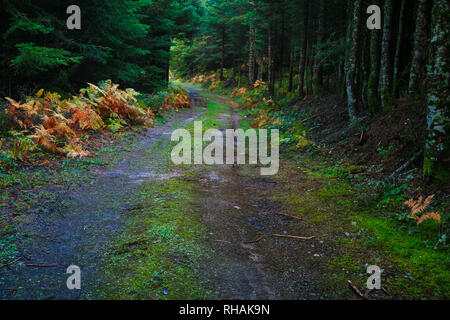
(364, 233)
(160, 250)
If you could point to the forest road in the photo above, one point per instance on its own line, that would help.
(240, 218)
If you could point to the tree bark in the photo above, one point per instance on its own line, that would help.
(251, 57)
(270, 57)
(438, 100)
(222, 59)
(320, 39)
(354, 49)
(397, 50)
(386, 74)
(291, 68)
(373, 99)
(304, 47)
(260, 67)
(420, 50)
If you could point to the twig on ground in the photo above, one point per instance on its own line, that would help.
(356, 290)
(10, 263)
(289, 216)
(254, 241)
(385, 291)
(292, 237)
(38, 265)
(224, 241)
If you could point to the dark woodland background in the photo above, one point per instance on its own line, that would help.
(300, 48)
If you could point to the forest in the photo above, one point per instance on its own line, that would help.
(358, 90)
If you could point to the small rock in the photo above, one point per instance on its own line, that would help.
(237, 207)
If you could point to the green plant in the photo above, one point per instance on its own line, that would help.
(382, 151)
(392, 195)
(22, 144)
(115, 124)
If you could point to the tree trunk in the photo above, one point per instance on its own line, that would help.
(373, 99)
(397, 50)
(386, 74)
(438, 103)
(270, 57)
(320, 39)
(251, 57)
(260, 67)
(309, 84)
(291, 68)
(420, 51)
(282, 43)
(222, 59)
(354, 49)
(302, 65)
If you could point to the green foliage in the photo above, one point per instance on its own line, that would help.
(392, 195)
(21, 22)
(33, 60)
(115, 124)
(126, 41)
(384, 151)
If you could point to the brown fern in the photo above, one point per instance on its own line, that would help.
(429, 215)
(418, 206)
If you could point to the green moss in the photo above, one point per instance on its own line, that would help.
(334, 189)
(159, 252)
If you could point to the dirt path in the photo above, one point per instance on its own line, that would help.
(244, 261)
(252, 263)
(80, 224)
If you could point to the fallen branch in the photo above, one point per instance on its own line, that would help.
(289, 216)
(10, 263)
(292, 237)
(254, 241)
(361, 138)
(385, 291)
(223, 241)
(406, 165)
(356, 290)
(41, 265)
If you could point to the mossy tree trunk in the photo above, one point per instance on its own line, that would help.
(438, 101)
(353, 57)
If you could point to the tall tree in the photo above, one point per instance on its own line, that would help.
(386, 73)
(420, 51)
(353, 59)
(303, 52)
(438, 102)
